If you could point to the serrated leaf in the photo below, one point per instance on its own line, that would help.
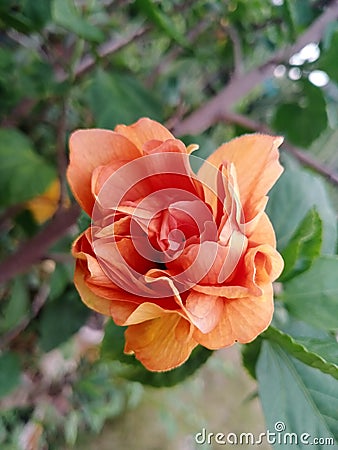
(303, 398)
(295, 193)
(66, 15)
(60, 319)
(115, 99)
(313, 295)
(303, 247)
(320, 354)
(302, 121)
(112, 349)
(19, 166)
(9, 373)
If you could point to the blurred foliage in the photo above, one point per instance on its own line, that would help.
(67, 64)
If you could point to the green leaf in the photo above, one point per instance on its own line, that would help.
(303, 398)
(313, 295)
(113, 344)
(304, 120)
(83, 222)
(9, 373)
(71, 428)
(67, 16)
(60, 319)
(14, 19)
(16, 306)
(293, 196)
(60, 279)
(300, 12)
(320, 354)
(250, 354)
(112, 349)
(115, 99)
(39, 13)
(162, 21)
(328, 59)
(303, 247)
(19, 167)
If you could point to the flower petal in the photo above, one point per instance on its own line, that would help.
(144, 130)
(242, 320)
(95, 278)
(162, 343)
(204, 311)
(93, 301)
(263, 232)
(90, 149)
(255, 157)
(208, 263)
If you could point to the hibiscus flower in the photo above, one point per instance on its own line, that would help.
(179, 258)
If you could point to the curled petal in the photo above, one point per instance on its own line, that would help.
(208, 263)
(263, 232)
(90, 149)
(89, 298)
(232, 291)
(144, 130)
(242, 320)
(145, 311)
(204, 311)
(264, 264)
(162, 343)
(255, 158)
(165, 169)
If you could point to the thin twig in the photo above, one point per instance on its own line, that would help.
(104, 50)
(61, 154)
(237, 46)
(303, 157)
(9, 214)
(23, 108)
(211, 112)
(32, 251)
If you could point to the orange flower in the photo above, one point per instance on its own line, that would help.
(44, 206)
(181, 259)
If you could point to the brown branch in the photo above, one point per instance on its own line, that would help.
(23, 108)
(9, 214)
(237, 46)
(104, 50)
(303, 157)
(211, 112)
(58, 257)
(30, 252)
